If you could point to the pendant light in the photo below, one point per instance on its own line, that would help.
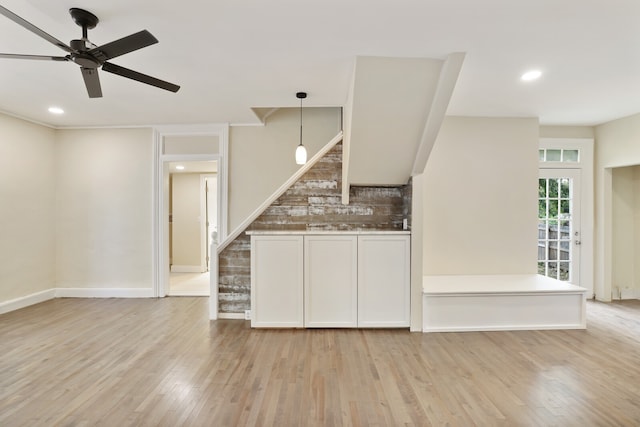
(301, 152)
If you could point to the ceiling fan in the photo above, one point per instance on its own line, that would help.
(89, 56)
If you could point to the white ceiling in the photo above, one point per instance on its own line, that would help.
(233, 55)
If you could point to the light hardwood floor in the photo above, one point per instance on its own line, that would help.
(120, 362)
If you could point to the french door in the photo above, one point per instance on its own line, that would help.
(559, 224)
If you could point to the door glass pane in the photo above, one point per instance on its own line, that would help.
(570, 155)
(558, 155)
(542, 229)
(553, 209)
(555, 227)
(553, 188)
(564, 188)
(542, 208)
(542, 188)
(552, 246)
(563, 271)
(554, 155)
(552, 269)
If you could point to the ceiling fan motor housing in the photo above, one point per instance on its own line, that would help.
(81, 58)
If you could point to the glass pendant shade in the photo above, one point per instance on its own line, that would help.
(301, 155)
(301, 152)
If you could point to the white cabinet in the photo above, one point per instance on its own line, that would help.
(276, 281)
(327, 280)
(383, 281)
(330, 281)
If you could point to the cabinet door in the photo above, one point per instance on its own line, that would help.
(276, 281)
(330, 281)
(383, 281)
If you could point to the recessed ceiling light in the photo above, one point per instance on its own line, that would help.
(56, 110)
(180, 167)
(531, 75)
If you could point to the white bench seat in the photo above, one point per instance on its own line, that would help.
(501, 303)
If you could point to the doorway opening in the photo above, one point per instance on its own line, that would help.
(187, 143)
(565, 210)
(625, 232)
(192, 218)
(559, 237)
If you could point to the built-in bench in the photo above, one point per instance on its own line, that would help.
(501, 303)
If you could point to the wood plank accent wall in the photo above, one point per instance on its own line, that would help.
(313, 203)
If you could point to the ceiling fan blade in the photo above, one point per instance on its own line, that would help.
(40, 57)
(143, 78)
(92, 82)
(29, 26)
(124, 45)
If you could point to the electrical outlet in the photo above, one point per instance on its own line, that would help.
(247, 315)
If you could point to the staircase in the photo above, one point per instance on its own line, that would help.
(362, 178)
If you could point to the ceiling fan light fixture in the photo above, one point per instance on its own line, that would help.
(301, 152)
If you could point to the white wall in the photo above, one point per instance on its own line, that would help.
(617, 144)
(261, 158)
(191, 144)
(27, 204)
(104, 208)
(186, 227)
(567, 132)
(480, 190)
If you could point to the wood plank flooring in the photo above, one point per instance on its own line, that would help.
(130, 362)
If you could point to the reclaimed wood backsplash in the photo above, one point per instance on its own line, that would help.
(313, 203)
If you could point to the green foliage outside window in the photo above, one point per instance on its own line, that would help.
(553, 194)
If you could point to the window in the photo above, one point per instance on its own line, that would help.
(559, 155)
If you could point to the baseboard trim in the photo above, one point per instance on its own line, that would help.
(26, 301)
(629, 293)
(104, 293)
(231, 316)
(188, 293)
(186, 269)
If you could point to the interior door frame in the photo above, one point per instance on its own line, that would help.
(204, 229)
(160, 262)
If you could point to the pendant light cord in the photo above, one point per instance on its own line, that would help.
(300, 121)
